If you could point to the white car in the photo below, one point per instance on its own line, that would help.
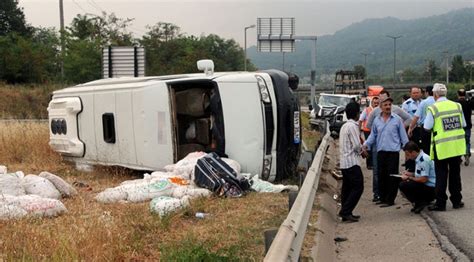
(330, 107)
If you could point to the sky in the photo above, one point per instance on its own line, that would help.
(228, 18)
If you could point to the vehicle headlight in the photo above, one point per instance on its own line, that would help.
(262, 86)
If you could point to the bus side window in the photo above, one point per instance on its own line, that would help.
(108, 127)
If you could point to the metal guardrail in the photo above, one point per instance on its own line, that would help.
(288, 241)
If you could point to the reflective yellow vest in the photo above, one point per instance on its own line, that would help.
(448, 132)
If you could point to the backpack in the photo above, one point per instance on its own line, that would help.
(212, 173)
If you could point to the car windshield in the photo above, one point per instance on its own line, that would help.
(334, 100)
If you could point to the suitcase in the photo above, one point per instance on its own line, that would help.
(212, 173)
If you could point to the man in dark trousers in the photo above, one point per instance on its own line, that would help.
(418, 186)
(389, 134)
(350, 149)
(446, 120)
(467, 106)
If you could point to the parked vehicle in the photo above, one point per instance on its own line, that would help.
(330, 107)
(147, 123)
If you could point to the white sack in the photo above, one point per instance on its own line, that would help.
(11, 184)
(164, 204)
(112, 195)
(37, 205)
(185, 166)
(233, 164)
(40, 186)
(144, 192)
(9, 211)
(62, 186)
(189, 191)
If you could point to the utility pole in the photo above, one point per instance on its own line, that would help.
(447, 67)
(245, 44)
(365, 64)
(61, 32)
(283, 61)
(394, 55)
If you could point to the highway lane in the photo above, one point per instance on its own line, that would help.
(458, 224)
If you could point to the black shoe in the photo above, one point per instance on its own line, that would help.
(355, 216)
(387, 205)
(458, 205)
(376, 199)
(419, 208)
(349, 219)
(436, 208)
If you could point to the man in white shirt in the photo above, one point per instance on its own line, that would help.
(350, 148)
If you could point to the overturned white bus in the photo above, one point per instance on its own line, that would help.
(147, 123)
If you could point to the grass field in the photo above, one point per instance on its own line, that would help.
(93, 231)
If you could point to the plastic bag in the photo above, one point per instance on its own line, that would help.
(267, 187)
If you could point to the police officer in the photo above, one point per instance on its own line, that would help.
(448, 144)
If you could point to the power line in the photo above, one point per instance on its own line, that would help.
(93, 6)
(80, 7)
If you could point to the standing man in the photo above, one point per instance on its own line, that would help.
(467, 106)
(350, 150)
(418, 186)
(446, 120)
(416, 125)
(388, 133)
(374, 103)
(376, 112)
(411, 104)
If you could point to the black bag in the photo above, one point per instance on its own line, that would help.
(212, 173)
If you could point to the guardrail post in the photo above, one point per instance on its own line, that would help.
(291, 198)
(269, 235)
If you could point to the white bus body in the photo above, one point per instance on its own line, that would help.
(147, 123)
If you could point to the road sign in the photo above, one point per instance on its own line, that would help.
(276, 34)
(123, 61)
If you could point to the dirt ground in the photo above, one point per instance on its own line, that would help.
(384, 234)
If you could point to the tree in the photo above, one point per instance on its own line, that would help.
(360, 70)
(12, 19)
(458, 72)
(85, 38)
(432, 71)
(105, 29)
(170, 52)
(29, 59)
(410, 76)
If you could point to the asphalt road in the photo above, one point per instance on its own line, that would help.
(458, 225)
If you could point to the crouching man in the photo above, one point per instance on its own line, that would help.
(418, 186)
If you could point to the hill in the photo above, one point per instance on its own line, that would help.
(423, 39)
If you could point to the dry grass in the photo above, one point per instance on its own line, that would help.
(92, 231)
(25, 101)
(310, 137)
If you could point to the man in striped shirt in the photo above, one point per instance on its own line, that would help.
(350, 148)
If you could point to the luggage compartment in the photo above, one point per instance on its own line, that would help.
(196, 114)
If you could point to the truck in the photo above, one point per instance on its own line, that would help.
(146, 123)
